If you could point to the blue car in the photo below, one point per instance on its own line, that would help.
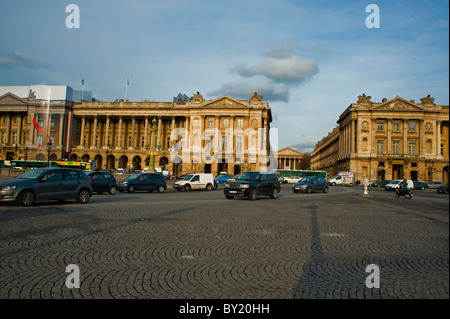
(223, 178)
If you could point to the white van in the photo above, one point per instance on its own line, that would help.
(196, 181)
(396, 184)
(342, 178)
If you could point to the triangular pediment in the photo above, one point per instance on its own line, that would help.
(12, 99)
(224, 102)
(398, 104)
(287, 151)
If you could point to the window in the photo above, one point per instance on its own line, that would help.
(442, 149)
(239, 143)
(225, 142)
(412, 148)
(225, 122)
(380, 126)
(412, 126)
(16, 120)
(240, 123)
(396, 126)
(15, 138)
(380, 147)
(396, 147)
(210, 122)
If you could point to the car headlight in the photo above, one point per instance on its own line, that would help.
(9, 187)
(245, 185)
(226, 185)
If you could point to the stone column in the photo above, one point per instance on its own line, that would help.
(405, 137)
(389, 140)
(94, 133)
(119, 144)
(19, 130)
(61, 129)
(352, 142)
(146, 131)
(158, 141)
(106, 143)
(133, 133)
(83, 124)
(438, 137)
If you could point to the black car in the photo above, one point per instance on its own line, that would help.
(380, 183)
(47, 184)
(310, 184)
(144, 181)
(443, 189)
(103, 182)
(420, 185)
(252, 184)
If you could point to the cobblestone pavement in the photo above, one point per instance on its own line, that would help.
(199, 245)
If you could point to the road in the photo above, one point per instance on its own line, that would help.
(200, 245)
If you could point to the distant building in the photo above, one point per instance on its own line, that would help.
(288, 158)
(394, 139)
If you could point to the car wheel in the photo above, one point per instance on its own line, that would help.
(333, 184)
(112, 190)
(83, 196)
(27, 198)
(229, 197)
(253, 194)
(295, 191)
(187, 187)
(131, 189)
(274, 194)
(325, 190)
(209, 187)
(161, 189)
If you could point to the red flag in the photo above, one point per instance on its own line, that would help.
(38, 128)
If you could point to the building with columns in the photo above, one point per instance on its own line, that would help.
(288, 158)
(392, 139)
(193, 135)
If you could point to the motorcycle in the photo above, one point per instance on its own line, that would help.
(405, 192)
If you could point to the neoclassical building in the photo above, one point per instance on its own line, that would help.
(389, 140)
(193, 135)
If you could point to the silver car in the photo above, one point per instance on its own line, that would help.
(47, 184)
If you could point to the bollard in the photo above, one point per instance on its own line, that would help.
(366, 188)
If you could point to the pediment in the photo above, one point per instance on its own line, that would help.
(287, 151)
(12, 99)
(224, 102)
(397, 104)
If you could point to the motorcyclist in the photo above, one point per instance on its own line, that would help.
(404, 184)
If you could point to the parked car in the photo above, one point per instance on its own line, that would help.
(47, 184)
(120, 171)
(396, 184)
(443, 189)
(195, 181)
(222, 178)
(435, 185)
(103, 182)
(380, 183)
(293, 179)
(253, 184)
(420, 185)
(143, 181)
(310, 184)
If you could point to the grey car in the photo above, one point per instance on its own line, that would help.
(47, 184)
(310, 184)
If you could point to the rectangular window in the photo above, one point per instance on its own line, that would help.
(380, 126)
(396, 147)
(412, 148)
(239, 144)
(442, 149)
(412, 126)
(225, 122)
(225, 142)
(380, 147)
(240, 123)
(396, 126)
(210, 122)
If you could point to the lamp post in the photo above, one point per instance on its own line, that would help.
(26, 157)
(152, 154)
(107, 158)
(49, 148)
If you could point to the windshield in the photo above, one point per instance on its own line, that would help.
(249, 176)
(305, 179)
(396, 182)
(188, 177)
(33, 174)
(133, 176)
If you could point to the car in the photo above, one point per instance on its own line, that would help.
(420, 185)
(435, 185)
(252, 185)
(310, 184)
(43, 184)
(380, 183)
(143, 182)
(222, 178)
(195, 181)
(396, 184)
(293, 179)
(119, 171)
(443, 189)
(103, 182)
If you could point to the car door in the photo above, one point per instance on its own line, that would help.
(71, 183)
(96, 182)
(195, 182)
(264, 185)
(51, 185)
(143, 182)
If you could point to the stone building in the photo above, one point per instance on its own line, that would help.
(192, 135)
(288, 158)
(389, 140)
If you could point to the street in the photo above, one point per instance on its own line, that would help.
(198, 244)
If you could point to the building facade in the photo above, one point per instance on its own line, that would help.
(196, 135)
(393, 139)
(291, 159)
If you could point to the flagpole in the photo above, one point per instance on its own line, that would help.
(82, 91)
(126, 90)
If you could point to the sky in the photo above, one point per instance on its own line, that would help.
(308, 59)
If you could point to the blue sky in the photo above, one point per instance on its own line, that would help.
(308, 59)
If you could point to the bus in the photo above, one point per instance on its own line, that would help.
(286, 173)
(38, 164)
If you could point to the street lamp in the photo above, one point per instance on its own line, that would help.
(430, 169)
(49, 148)
(107, 158)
